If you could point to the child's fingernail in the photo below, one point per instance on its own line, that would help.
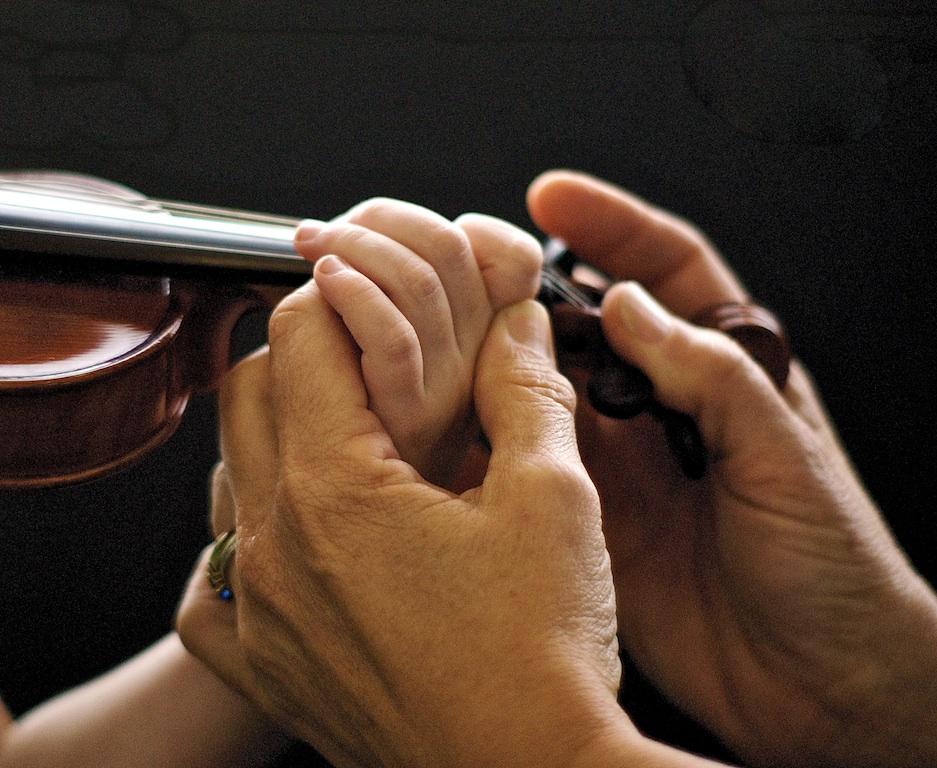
(308, 229)
(330, 265)
(528, 324)
(642, 315)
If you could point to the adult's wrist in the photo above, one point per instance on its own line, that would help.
(611, 742)
(883, 710)
(901, 724)
(563, 728)
(620, 746)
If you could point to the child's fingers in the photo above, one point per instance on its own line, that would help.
(391, 358)
(446, 248)
(409, 281)
(508, 257)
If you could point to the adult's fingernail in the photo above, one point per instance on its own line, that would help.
(308, 229)
(528, 324)
(642, 315)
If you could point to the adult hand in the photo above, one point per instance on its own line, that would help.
(768, 600)
(382, 619)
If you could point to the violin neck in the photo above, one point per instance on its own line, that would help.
(79, 225)
(81, 231)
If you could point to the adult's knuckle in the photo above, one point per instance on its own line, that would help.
(724, 364)
(734, 366)
(561, 390)
(557, 481)
(573, 479)
(547, 385)
(255, 568)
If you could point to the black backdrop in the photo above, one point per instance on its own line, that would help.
(798, 133)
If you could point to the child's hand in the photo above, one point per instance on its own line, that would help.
(417, 293)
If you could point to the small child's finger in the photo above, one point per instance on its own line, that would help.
(446, 248)
(408, 280)
(391, 358)
(509, 258)
(306, 230)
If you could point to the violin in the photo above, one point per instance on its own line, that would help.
(116, 308)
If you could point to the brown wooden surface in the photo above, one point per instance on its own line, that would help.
(95, 373)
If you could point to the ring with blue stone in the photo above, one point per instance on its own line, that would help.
(218, 561)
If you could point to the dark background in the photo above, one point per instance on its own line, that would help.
(798, 135)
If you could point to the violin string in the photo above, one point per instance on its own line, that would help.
(563, 287)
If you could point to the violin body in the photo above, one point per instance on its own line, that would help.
(94, 375)
(97, 363)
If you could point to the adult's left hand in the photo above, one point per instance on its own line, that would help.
(389, 622)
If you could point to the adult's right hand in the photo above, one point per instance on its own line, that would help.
(768, 600)
(389, 622)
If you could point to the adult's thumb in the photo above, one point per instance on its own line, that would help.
(702, 373)
(525, 406)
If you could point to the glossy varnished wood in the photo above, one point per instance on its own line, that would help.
(114, 310)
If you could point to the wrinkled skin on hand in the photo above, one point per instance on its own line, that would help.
(768, 600)
(383, 619)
